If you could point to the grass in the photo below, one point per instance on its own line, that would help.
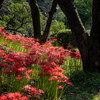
(86, 87)
(72, 66)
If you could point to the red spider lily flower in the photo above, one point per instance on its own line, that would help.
(46, 68)
(2, 29)
(9, 58)
(75, 54)
(72, 50)
(18, 78)
(27, 76)
(27, 87)
(58, 69)
(53, 39)
(41, 91)
(7, 72)
(69, 46)
(58, 74)
(23, 98)
(78, 56)
(40, 74)
(67, 81)
(4, 65)
(47, 74)
(60, 87)
(6, 33)
(5, 43)
(33, 91)
(11, 49)
(36, 40)
(2, 53)
(22, 69)
(1, 65)
(55, 78)
(13, 96)
(43, 74)
(3, 97)
(1, 79)
(30, 71)
(17, 94)
(70, 83)
(10, 96)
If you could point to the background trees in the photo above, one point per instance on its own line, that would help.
(84, 8)
(59, 18)
(45, 6)
(17, 18)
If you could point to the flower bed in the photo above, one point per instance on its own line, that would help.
(26, 66)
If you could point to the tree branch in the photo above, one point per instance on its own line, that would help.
(7, 25)
(35, 13)
(51, 13)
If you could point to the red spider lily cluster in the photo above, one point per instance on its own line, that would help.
(33, 91)
(13, 96)
(46, 56)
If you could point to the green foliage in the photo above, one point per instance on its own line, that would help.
(57, 26)
(19, 20)
(64, 38)
(44, 6)
(19, 17)
(43, 20)
(59, 15)
(20, 1)
(85, 11)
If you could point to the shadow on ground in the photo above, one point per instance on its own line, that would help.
(86, 87)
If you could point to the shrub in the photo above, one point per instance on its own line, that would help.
(64, 38)
(56, 27)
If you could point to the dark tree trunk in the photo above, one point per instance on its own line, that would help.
(35, 18)
(51, 13)
(94, 39)
(1, 1)
(77, 27)
(89, 46)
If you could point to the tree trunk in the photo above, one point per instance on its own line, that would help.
(51, 13)
(89, 46)
(94, 40)
(77, 28)
(1, 1)
(35, 18)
